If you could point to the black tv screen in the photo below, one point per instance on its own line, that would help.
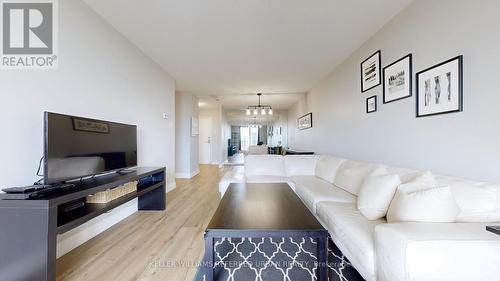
(77, 147)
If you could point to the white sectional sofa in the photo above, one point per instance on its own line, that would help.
(404, 251)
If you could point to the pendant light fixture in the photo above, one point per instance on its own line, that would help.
(260, 108)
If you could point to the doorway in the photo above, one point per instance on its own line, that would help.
(205, 139)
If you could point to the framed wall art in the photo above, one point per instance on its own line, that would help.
(398, 80)
(440, 88)
(370, 72)
(304, 122)
(371, 104)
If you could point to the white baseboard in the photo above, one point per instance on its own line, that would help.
(195, 173)
(187, 175)
(83, 233)
(182, 176)
(171, 186)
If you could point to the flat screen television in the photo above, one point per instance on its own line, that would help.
(77, 147)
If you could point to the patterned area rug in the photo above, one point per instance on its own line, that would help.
(271, 259)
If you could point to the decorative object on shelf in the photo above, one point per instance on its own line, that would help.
(112, 194)
(305, 121)
(259, 109)
(195, 130)
(370, 72)
(88, 125)
(398, 79)
(371, 104)
(440, 88)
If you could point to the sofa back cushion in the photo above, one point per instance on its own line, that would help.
(433, 204)
(351, 174)
(376, 194)
(264, 165)
(327, 166)
(478, 201)
(300, 165)
(405, 174)
(422, 200)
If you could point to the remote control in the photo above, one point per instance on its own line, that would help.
(50, 190)
(25, 189)
(34, 191)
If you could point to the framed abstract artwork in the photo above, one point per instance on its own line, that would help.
(370, 72)
(305, 121)
(398, 80)
(440, 88)
(371, 104)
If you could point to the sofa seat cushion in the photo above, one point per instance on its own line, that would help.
(266, 179)
(353, 234)
(313, 190)
(436, 252)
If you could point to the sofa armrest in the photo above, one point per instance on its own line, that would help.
(436, 252)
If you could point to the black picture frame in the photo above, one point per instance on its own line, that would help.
(308, 126)
(459, 87)
(367, 104)
(410, 67)
(379, 70)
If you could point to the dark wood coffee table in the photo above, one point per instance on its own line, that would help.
(264, 210)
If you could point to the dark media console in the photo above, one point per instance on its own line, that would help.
(29, 228)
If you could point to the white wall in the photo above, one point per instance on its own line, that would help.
(281, 121)
(296, 137)
(186, 157)
(463, 144)
(100, 75)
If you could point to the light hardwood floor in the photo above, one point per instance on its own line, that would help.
(151, 245)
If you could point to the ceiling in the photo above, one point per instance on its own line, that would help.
(208, 102)
(224, 47)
